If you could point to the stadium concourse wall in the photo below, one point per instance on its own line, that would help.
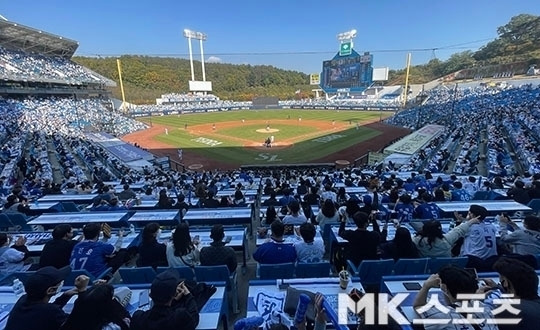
(305, 107)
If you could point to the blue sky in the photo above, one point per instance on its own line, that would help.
(241, 31)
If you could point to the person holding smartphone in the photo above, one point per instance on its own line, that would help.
(524, 241)
(174, 305)
(182, 250)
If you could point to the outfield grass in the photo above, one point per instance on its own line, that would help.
(294, 114)
(230, 149)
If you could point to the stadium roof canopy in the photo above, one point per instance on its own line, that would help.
(20, 37)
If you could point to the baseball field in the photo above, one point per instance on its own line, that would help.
(228, 139)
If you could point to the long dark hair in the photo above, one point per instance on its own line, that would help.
(182, 240)
(328, 208)
(271, 214)
(148, 233)
(104, 310)
(405, 247)
(432, 230)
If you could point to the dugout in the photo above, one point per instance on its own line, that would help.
(265, 102)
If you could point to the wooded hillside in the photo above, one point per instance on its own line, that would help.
(146, 78)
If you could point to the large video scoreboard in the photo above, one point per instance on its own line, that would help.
(351, 73)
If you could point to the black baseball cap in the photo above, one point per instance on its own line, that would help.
(37, 284)
(163, 287)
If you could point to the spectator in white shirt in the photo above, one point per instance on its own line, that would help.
(309, 250)
(294, 217)
(479, 243)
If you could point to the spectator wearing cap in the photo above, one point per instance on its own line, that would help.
(479, 243)
(518, 193)
(33, 310)
(217, 253)
(57, 251)
(174, 306)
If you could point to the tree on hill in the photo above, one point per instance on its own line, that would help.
(146, 78)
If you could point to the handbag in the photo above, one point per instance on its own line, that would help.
(291, 302)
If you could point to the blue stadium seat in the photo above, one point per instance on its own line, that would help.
(276, 271)
(137, 275)
(70, 280)
(8, 279)
(220, 274)
(371, 271)
(5, 223)
(534, 204)
(480, 196)
(69, 207)
(184, 272)
(19, 221)
(313, 270)
(416, 266)
(434, 264)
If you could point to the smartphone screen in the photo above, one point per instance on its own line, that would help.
(144, 298)
(412, 285)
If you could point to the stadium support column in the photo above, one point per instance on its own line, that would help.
(191, 58)
(407, 80)
(119, 65)
(202, 60)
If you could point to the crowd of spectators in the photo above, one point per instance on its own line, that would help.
(21, 66)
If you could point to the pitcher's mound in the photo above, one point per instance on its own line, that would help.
(270, 130)
(275, 145)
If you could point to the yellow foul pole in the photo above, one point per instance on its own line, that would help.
(121, 83)
(406, 79)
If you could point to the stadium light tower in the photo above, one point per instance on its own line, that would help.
(201, 37)
(346, 42)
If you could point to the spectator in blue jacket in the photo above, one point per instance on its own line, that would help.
(275, 251)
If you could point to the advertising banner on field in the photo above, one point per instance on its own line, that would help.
(415, 141)
(314, 79)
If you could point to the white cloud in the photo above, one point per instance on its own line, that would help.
(214, 59)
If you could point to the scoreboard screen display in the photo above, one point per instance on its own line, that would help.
(347, 72)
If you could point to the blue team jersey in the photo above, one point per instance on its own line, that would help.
(404, 212)
(91, 256)
(460, 195)
(427, 211)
